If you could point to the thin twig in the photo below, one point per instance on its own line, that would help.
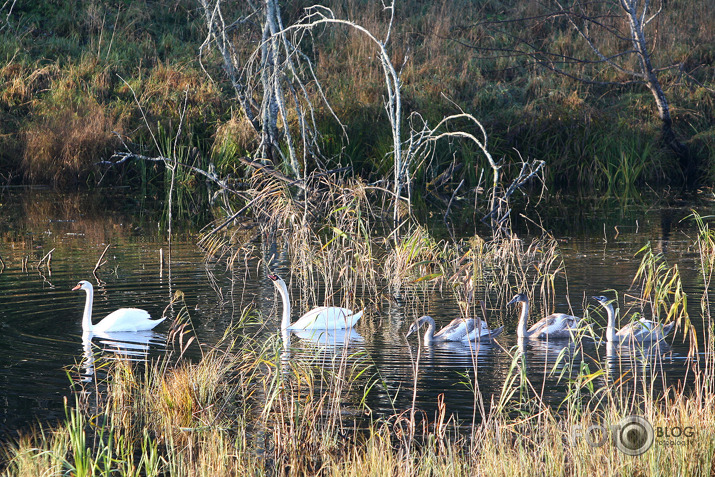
(99, 262)
(48, 257)
(446, 213)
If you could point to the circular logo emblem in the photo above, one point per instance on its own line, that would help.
(634, 436)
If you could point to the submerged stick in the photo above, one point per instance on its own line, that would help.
(99, 262)
(2, 264)
(48, 258)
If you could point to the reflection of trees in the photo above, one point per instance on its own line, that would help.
(92, 215)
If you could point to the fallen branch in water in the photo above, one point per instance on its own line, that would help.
(46, 259)
(99, 262)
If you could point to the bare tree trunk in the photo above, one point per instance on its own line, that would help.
(615, 32)
(637, 23)
(217, 35)
(272, 77)
(264, 78)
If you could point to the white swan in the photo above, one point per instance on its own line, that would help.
(459, 329)
(321, 318)
(554, 326)
(637, 331)
(123, 319)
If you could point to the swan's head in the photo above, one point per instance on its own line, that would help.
(602, 300)
(520, 298)
(416, 325)
(279, 283)
(83, 285)
(276, 279)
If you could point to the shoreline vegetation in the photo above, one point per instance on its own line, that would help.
(267, 148)
(81, 81)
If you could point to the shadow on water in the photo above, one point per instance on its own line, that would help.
(40, 318)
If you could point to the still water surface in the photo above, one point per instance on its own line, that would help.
(41, 341)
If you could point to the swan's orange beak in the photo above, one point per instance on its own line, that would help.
(77, 287)
(273, 277)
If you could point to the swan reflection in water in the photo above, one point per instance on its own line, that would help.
(451, 354)
(330, 338)
(550, 351)
(643, 355)
(130, 345)
(328, 343)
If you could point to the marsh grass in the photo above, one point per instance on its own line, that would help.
(476, 270)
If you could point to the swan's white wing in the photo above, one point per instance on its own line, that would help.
(555, 325)
(483, 333)
(327, 318)
(126, 319)
(642, 330)
(457, 329)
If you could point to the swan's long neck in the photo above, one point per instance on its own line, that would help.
(429, 334)
(521, 331)
(611, 326)
(283, 290)
(87, 318)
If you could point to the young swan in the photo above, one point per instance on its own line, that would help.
(483, 332)
(321, 318)
(123, 319)
(638, 331)
(459, 329)
(555, 326)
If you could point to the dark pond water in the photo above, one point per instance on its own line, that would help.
(40, 317)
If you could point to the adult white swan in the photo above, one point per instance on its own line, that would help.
(554, 326)
(123, 319)
(637, 331)
(321, 318)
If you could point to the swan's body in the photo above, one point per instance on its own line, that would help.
(478, 329)
(482, 332)
(321, 318)
(459, 329)
(555, 326)
(638, 331)
(123, 319)
(454, 331)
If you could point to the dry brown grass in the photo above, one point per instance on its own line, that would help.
(64, 146)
